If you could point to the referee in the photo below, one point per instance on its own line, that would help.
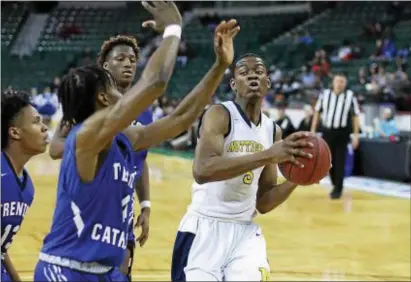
(338, 110)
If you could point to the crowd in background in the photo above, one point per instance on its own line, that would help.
(295, 88)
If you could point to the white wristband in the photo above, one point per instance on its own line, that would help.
(172, 30)
(145, 204)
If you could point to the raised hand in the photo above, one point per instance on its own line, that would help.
(164, 13)
(291, 147)
(223, 41)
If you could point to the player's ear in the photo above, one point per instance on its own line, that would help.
(105, 66)
(268, 83)
(103, 99)
(14, 133)
(232, 85)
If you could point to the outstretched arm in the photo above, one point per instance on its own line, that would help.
(270, 194)
(98, 131)
(193, 104)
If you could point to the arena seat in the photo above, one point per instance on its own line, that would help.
(346, 21)
(254, 31)
(12, 17)
(90, 26)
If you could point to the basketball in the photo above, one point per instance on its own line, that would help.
(314, 169)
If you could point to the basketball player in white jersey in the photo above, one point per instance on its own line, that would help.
(235, 172)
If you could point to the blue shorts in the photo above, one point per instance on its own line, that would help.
(5, 276)
(50, 272)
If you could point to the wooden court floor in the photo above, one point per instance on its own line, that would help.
(361, 237)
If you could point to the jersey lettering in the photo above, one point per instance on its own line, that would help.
(124, 174)
(109, 235)
(14, 209)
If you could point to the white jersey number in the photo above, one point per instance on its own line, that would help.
(6, 233)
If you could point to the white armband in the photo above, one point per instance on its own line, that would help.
(145, 204)
(172, 30)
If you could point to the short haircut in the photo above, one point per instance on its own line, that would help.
(12, 102)
(246, 55)
(108, 45)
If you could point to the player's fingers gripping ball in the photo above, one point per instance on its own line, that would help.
(314, 169)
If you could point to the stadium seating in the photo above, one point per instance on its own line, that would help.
(254, 31)
(56, 50)
(91, 26)
(12, 16)
(344, 22)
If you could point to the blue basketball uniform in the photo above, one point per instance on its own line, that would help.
(16, 197)
(90, 223)
(139, 157)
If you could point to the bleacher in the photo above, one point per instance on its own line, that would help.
(344, 22)
(55, 53)
(92, 26)
(254, 31)
(12, 16)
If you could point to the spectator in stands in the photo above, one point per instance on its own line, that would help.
(388, 49)
(378, 52)
(33, 92)
(387, 126)
(401, 60)
(344, 52)
(66, 30)
(55, 84)
(275, 74)
(182, 56)
(284, 121)
(47, 105)
(307, 78)
(290, 85)
(305, 124)
(373, 29)
(320, 65)
(362, 78)
(305, 38)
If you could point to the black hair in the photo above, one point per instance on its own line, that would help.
(78, 90)
(12, 102)
(340, 73)
(246, 55)
(108, 45)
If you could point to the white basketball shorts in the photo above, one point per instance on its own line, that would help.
(213, 250)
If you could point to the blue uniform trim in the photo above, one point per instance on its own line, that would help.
(182, 247)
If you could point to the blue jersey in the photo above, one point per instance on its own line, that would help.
(16, 197)
(144, 119)
(90, 221)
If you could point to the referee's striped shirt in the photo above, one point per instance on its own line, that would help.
(337, 110)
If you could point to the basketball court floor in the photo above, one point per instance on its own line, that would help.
(361, 237)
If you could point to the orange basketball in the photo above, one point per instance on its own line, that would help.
(314, 169)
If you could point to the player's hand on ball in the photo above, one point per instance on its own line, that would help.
(143, 220)
(164, 12)
(286, 150)
(223, 41)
